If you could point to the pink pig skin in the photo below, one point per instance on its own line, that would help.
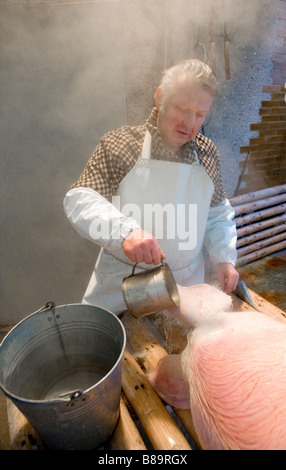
(232, 374)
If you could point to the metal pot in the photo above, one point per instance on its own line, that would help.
(150, 291)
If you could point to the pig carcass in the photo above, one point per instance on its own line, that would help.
(232, 373)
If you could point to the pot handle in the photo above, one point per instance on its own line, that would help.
(134, 267)
(133, 270)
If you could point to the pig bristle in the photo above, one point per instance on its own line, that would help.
(216, 285)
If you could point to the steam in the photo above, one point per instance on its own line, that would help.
(71, 71)
(217, 20)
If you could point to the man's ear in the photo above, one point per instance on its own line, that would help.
(158, 97)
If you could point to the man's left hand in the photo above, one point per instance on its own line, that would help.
(227, 277)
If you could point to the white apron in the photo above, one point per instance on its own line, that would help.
(158, 185)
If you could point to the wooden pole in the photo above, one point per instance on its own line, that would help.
(261, 253)
(260, 244)
(126, 435)
(256, 227)
(255, 195)
(260, 204)
(148, 353)
(212, 40)
(22, 435)
(226, 44)
(254, 217)
(262, 235)
(156, 421)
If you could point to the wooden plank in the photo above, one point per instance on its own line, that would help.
(260, 305)
(267, 308)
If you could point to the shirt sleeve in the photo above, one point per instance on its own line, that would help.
(96, 219)
(219, 194)
(210, 159)
(99, 172)
(114, 156)
(220, 236)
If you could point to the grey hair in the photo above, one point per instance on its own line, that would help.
(198, 72)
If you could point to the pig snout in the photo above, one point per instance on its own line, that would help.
(199, 302)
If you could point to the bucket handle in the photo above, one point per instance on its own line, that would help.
(74, 396)
(47, 306)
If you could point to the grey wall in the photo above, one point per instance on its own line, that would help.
(71, 71)
(61, 89)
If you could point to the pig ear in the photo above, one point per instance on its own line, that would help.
(175, 394)
(168, 382)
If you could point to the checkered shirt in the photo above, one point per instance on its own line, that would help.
(118, 151)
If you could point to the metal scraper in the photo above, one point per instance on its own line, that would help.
(242, 292)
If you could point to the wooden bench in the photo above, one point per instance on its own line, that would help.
(145, 422)
(260, 219)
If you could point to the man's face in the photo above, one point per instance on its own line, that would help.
(183, 115)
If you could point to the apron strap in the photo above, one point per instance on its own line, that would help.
(196, 157)
(147, 146)
(146, 150)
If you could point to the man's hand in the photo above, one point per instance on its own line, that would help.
(227, 277)
(140, 246)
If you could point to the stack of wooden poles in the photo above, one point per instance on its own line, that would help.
(260, 219)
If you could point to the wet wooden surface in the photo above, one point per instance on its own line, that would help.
(145, 422)
(267, 277)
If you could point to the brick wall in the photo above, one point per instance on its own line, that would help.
(265, 162)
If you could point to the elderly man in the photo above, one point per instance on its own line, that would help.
(166, 169)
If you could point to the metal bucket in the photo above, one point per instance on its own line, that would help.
(61, 367)
(150, 291)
